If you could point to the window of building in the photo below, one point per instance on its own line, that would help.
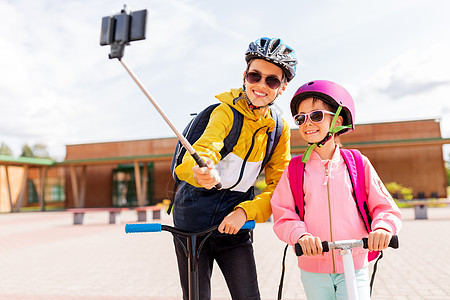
(124, 185)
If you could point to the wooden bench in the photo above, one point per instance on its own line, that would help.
(114, 213)
(144, 211)
(421, 206)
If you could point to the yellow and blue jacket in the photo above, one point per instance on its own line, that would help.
(247, 157)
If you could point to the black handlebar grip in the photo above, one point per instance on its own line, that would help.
(299, 250)
(201, 163)
(393, 243)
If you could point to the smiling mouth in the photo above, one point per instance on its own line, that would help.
(259, 94)
(311, 131)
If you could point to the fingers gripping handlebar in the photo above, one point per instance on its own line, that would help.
(326, 246)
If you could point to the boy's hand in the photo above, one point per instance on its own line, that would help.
(232, 223)
(208, 176)
(311, 245)
(379, 239)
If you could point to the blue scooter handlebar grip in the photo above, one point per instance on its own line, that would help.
(393, 243)
(249, 225)
(156, 227)
(145, 227)
(299, 250)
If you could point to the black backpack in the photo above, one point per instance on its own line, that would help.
(196, 128)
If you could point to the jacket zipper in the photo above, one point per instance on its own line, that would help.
(329, 212)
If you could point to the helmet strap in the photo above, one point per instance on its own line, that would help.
(329, 135)
(250, 104)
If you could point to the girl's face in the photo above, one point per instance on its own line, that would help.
(259, 93)
(315, 132)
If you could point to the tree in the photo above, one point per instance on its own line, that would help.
(27, 151)
(38, 150)
(5, 150)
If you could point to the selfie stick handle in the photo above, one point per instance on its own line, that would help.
(181, 138)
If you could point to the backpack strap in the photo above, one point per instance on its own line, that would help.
(196, 128)
(296, 169)
(192, 133)
(355, 165)
(235, 132)
(354, 161)
(273, 138)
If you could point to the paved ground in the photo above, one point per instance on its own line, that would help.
(44, 256)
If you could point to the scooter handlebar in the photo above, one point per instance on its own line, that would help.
(147, 227)
(249, 225)
(393, 244)
(299, 250)
(157, 227)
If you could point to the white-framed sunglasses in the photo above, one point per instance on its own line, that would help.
(315, 116)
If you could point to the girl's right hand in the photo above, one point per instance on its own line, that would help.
(311, 245)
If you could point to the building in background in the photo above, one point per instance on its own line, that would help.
(137, 173)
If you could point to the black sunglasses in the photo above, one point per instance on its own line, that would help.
(271, 81)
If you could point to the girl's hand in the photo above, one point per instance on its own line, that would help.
(208, 176)
(311, 245)
(232, 223)
(379, 240)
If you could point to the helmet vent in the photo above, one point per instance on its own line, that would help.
(311, 83)
(263, 42)
(275, 44)
(287, 51)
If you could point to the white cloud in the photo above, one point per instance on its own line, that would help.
(414, 85)
(58, 87)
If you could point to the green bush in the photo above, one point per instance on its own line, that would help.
(398, 191)
(260, 185)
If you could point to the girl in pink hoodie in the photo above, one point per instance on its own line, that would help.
(323, 110)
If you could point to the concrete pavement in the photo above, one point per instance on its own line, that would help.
(44, 256)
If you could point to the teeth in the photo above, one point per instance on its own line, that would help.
(259, 94)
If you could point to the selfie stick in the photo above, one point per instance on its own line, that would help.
(117, 31)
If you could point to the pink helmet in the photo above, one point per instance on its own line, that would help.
(331, 93)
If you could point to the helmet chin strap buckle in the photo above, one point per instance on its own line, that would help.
(251, 106)
(325, 139)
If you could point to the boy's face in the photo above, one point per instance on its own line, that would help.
(260, 93)
(314, 132)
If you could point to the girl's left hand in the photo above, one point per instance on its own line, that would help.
(379, 239)
(232, 223)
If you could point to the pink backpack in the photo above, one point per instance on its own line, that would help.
(354, 161)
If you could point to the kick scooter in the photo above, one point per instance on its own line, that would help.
(190, 250)
(345, 248)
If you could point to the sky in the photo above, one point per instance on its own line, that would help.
(58, 87)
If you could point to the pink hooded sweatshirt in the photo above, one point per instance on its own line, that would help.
(331, 212)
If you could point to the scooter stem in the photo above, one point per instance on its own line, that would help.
(349, 272)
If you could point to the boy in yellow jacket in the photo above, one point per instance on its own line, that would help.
(271, 64)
